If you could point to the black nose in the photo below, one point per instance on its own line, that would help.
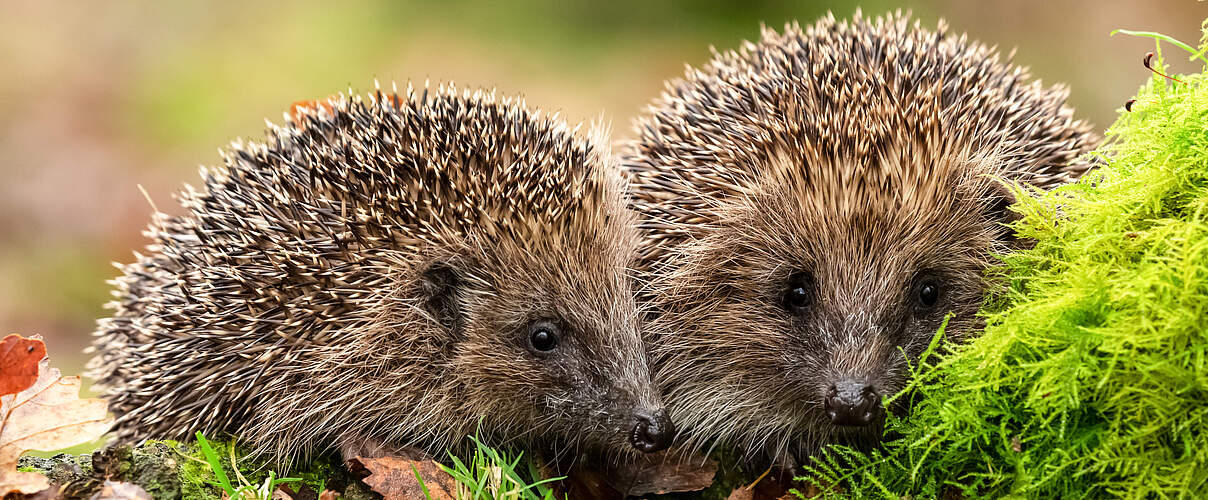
(851, 403)
(651, 431)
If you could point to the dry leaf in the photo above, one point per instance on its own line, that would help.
(394, 478)
(47, 416)
(741, 493)
(328, 495)
(115, 490)
(663, 472)
(19, 358)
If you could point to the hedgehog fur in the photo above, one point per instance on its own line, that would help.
(372, 276)
(813, 205)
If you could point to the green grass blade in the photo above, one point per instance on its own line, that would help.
(215, 464)
(423, 487)
(1168, 39)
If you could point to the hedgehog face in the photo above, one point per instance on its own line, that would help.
(855, 294)
(795, 316)
(554, 328)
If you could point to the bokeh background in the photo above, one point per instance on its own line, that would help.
(97, 98)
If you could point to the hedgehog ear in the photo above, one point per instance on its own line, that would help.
(998, 209)
(440, 286)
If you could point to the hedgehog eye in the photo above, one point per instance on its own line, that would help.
(543, 336)
(929, 293)
(799, 293)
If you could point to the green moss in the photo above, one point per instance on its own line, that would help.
(197, 478)
(321, 473)
(1092, 375)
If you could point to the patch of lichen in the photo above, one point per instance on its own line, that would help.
(1092, 375)
(154, 466)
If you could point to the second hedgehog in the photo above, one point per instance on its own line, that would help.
(381, 274)
(816, 204)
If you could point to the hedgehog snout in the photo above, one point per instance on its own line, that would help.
(652, 431)
(849, 403)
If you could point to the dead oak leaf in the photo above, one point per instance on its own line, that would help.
(19, 358)
(47, 416)
(395, 478)
(669, 471)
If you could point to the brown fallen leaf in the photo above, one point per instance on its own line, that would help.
(47, 416)
(664, 472)
(54, 492)
(19, 358)
(394, 478)
(328, 495)
(116, 490)
(741, 493)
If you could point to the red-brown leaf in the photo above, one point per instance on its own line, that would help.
(19, 358)
(394, 478)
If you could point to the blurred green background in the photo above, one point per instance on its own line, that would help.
(97, 98)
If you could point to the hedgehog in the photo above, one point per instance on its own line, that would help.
(390, 274)
(814, 206)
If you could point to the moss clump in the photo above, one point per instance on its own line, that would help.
(198, 481)
(1091, 379)
(168, 469)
